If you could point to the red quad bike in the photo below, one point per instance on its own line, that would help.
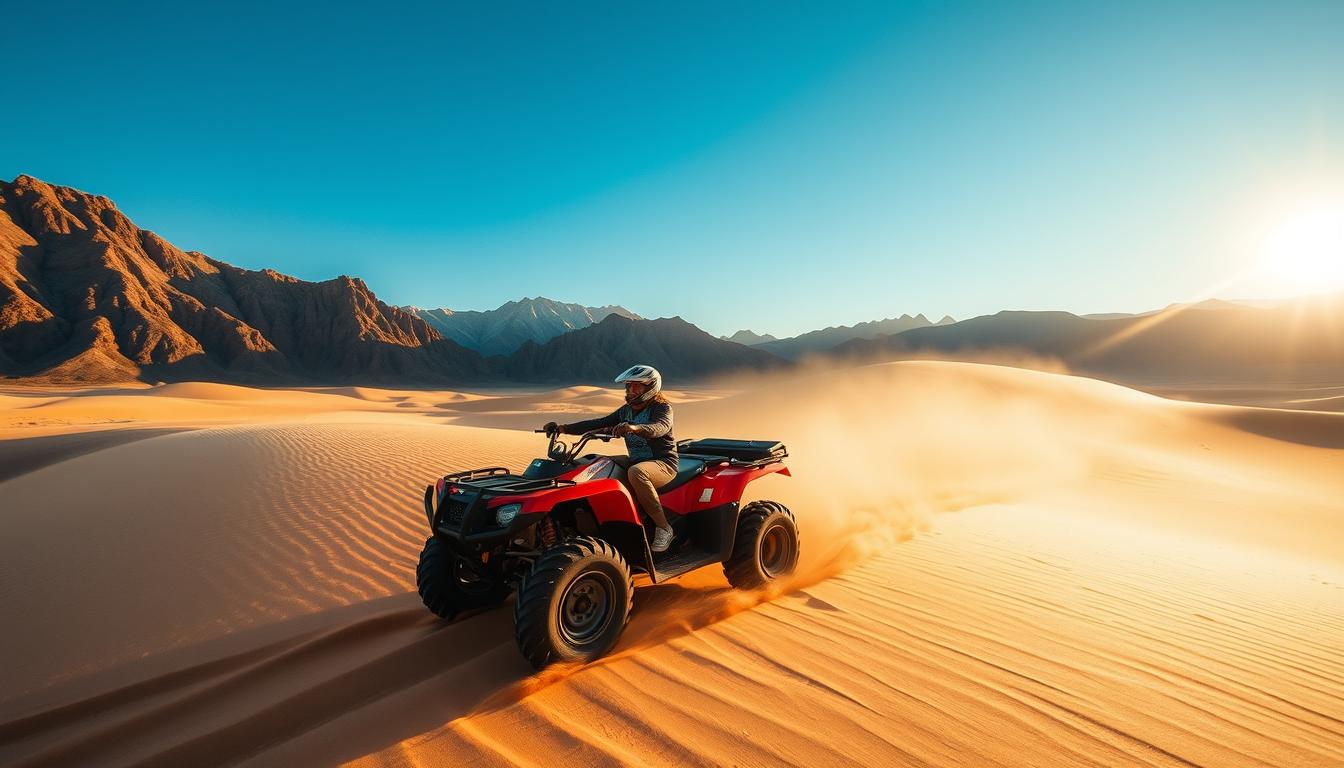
(567, 534)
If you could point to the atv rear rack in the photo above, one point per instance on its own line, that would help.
(735, 453)
(732, 462)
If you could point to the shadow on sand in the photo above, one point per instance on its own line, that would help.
(1313, 428)
(325, 688)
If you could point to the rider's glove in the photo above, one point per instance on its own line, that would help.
(551, 428)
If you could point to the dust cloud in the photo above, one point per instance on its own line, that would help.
(876, 451)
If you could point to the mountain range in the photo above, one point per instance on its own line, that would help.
(502, 331)
(86, 296)
(826, 339)
(680, 350)
(1291, 341)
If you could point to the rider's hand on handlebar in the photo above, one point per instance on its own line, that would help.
(620, 430)
(551, 428)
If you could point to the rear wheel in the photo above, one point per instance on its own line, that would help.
(765, 547)
(448, 587)
(574, 603)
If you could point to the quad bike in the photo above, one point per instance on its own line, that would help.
(567, 535)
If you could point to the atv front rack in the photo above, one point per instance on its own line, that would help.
(472, 474)
(463, 512)
(498, 481)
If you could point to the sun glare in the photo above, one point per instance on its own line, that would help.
(1306, 250)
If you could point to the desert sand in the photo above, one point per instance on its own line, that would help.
(1001, 567)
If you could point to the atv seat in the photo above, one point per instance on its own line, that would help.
(687, 470)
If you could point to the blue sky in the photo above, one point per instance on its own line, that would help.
(778, 166)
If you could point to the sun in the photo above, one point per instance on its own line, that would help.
(1306, 250)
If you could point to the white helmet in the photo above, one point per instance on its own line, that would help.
(645, 374)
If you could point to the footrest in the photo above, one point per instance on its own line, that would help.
(668, 565)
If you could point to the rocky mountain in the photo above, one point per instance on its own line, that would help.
(1298, 341)
(595, 354)
(502, 331)
(749, 338)
(826, 339)
(85, 296)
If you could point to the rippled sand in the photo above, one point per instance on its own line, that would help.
(1001, 567)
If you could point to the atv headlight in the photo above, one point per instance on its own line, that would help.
(504, 514)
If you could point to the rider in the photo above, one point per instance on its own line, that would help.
(645, 421)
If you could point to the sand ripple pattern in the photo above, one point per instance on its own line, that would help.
(249, 524)
(1125, 581)
(994, 644)
(999, 642)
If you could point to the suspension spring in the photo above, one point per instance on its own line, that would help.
(546, 531)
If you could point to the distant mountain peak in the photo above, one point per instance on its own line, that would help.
(749, 338)
(679, 349)
(508, 327)
(828, 338)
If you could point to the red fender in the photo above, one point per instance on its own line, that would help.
(612, 502)
(608, 498)
(718, 485)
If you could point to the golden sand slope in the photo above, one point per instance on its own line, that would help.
(177, 539)
(1125, 580)
(996, 643)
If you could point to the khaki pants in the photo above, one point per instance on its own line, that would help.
(644, 479)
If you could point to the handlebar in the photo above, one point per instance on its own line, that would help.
(566, 454)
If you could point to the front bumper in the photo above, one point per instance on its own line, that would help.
(466, 519)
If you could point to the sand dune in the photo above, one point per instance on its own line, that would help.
(239, 526)
(1000, 567)
(996, 643)
(1308, 397)
(22, 455)
(28, 412)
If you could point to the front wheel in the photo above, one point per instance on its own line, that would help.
(448, 588)
(765, 547)
(574, 603)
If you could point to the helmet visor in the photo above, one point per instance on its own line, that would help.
(634, 390)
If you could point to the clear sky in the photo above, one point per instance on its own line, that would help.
(779, 166)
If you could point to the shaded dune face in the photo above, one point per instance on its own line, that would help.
(218, 530)
(1000, 567)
